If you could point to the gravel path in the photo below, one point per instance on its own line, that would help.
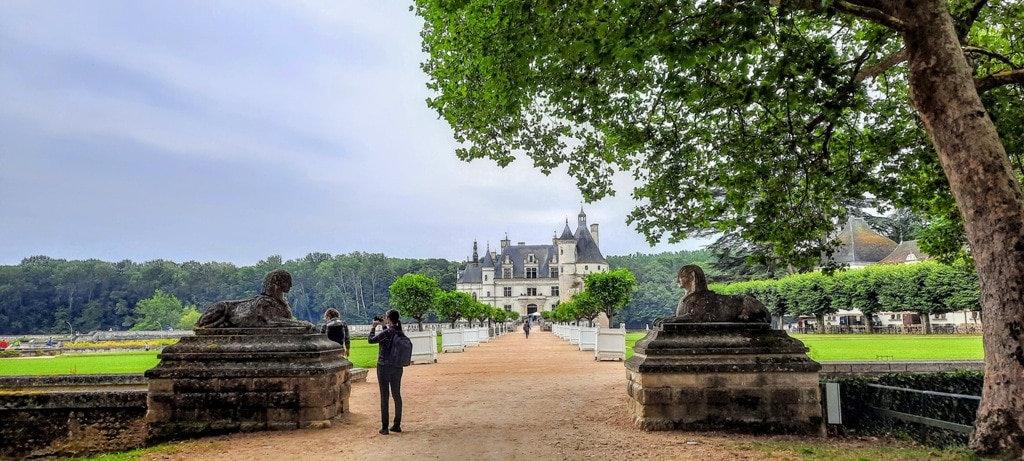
(509, 399)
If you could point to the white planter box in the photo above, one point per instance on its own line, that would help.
(452, 341)
(483, 335)
(588, 338)
(471, 337)
(574, 335)
(424, 346)
(611, 344)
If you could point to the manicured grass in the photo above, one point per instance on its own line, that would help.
(81, 364)
(837, 348)
(824, 348)
(364, 355)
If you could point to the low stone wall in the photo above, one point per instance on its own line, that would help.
(77, 415)
(71, 415)
(848, 369)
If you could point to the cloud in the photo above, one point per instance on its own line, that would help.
(231, 131)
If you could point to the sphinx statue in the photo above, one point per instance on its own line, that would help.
(270, 308)
(703, 305)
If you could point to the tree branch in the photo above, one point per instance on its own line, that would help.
(881, 67)
(998, 79)
(963, 25)
(872, 14)
(991, 54)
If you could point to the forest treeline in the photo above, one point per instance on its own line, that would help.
(44, 295)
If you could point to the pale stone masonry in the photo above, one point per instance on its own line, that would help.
(533, 278)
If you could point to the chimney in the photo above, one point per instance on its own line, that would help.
(593, 231)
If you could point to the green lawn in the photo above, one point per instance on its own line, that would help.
(81, 364)
(838, 348)
(824, 348)
(364, 355)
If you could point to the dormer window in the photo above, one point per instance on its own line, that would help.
(506, 273)
(554, 272)
(531, 272)
(530, 259)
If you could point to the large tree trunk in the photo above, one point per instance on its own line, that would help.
(990, 200)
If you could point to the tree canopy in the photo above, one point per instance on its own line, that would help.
(413, 295)
(764, 119)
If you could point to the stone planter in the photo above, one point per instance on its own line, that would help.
(424, 346)
(471, 337)
(588, 338)
(453, 340)
(574, 334)
(610, 344)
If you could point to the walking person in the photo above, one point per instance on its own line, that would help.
(336, 329)
(389, 375)
(526, 328)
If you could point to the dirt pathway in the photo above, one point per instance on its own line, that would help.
(508, 399)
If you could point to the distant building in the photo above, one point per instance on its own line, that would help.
(860, 245)
(533, 278)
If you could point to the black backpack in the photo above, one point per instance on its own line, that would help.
(401, 350)
(336, 331)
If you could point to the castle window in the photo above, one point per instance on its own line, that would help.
(506, 273)
(485, 278)
(531, 291)
(554, 291)
(529, 259)
(507, 291)
(474, 296)
(508, 308)
(554, 272)
(531, 272)
(586, 268)
(488, 294)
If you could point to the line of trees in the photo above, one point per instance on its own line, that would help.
(43, 295)
(925, 288)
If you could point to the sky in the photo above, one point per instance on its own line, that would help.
(235, 130)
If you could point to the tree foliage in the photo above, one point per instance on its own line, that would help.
(413, 295)
(610, 291)
(158, 312)
(764, 119)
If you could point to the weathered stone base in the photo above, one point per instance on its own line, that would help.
(734, 377)
(247, 379)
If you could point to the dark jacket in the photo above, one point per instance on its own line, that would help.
(384, 338)
(337, 330)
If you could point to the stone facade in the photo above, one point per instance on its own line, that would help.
(734, 377)
(533, 278)
(247, 379)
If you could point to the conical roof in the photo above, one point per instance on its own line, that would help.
(860, 244)
(905, 252)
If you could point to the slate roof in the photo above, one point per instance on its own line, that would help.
(905, 252)
(587, 252)
(859, 243)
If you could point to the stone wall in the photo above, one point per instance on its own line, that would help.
(848, 369)
(72, 415)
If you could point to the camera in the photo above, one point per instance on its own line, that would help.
(379, 318)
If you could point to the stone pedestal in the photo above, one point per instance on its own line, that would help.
(734, 377)
(247, 379)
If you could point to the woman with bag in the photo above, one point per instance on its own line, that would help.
(389, 375)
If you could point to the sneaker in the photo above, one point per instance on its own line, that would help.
(383, 432)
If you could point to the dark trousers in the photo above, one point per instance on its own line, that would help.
(390, 380)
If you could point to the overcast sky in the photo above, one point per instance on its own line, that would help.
(235, 130)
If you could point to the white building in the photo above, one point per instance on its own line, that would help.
(533, 278)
